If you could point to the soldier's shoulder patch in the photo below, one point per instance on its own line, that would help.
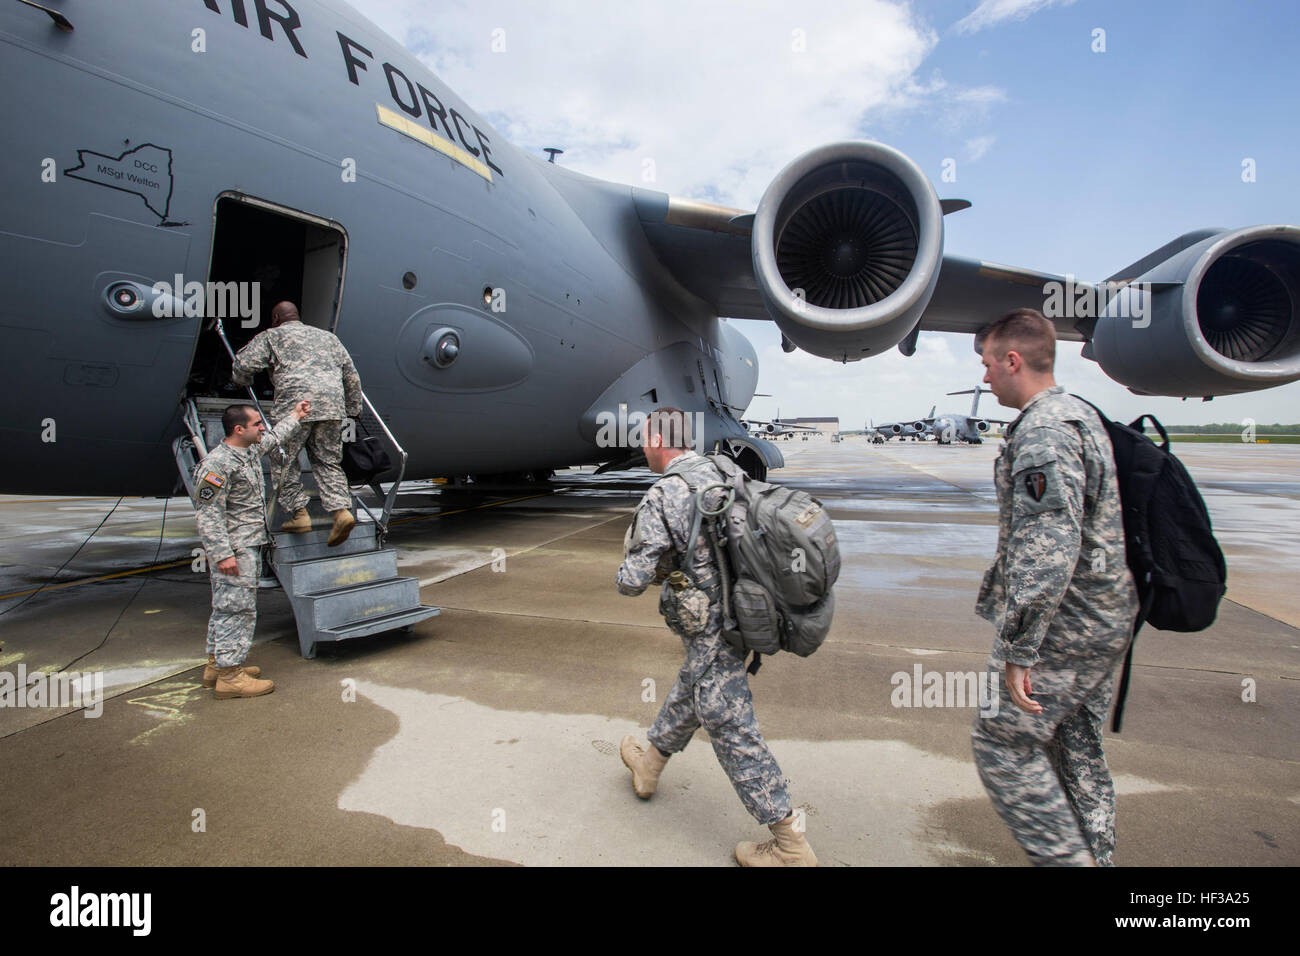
(214, 479)
(207, 492)
(1036, 484)
(1038, 487)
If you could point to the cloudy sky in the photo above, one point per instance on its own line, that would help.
(1086, 134)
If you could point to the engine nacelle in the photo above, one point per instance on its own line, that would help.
(847, 246)
(1218, 318)
(981, 425)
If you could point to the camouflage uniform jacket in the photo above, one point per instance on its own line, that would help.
(230, 497)
(305, 362)
(656, 545)
(1060, 587)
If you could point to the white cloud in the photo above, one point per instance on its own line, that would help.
(719, 100)
(978, 147)
(992, 12)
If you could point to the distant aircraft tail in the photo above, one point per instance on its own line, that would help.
(975, 402)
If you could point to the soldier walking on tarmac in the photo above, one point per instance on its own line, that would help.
(1062, 603)
(230, 510)
(305, 360)
(712, 688)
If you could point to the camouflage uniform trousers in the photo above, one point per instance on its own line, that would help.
(324, 443)
(719, 699)
(1046, 773)
(234, 608)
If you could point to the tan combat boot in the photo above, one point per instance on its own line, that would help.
(210, 671)
(343, 524)
(789, 848)
(646, 765)
(300, 523)
(236, 682)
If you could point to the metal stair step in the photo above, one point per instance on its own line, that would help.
(376, 625)
(345, 605)
(292, 548)
(339, 571)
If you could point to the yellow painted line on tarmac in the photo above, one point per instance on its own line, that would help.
(177, 564)
(102, 577)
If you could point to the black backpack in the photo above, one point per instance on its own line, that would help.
(364, 461)
(1177, 565)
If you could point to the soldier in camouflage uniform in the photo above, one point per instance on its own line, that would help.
(305, 360)
(712, 688)
(1062, 602)
(230, 511)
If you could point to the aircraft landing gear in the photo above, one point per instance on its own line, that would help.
(751, 463)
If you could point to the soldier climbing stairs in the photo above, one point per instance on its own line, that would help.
(348, 591)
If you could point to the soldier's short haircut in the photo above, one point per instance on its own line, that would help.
(673, 424)
(234, 416)
(1025, 331)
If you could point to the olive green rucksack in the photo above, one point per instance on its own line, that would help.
(779, 558)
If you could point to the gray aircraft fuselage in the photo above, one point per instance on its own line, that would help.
(427, 219)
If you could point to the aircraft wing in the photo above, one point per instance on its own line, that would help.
(845, 252)
(775, 428)
(707, 248)
(905, 429)
(971, 293)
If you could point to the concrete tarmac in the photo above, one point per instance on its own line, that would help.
(489, 734)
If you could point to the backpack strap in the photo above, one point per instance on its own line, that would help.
(1126, 671)
(1117, 719)
(723, 583)
(698, 514)
(1136, 425)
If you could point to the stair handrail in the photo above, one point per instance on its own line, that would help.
(284, 467)
(401, 468)
(381, 523)
(190, 417)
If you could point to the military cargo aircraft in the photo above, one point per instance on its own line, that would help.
(501, 309)
(951, 427)
(917, 430)
(776, 428)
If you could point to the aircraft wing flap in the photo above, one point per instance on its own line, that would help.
(972, 293)
(706, 247)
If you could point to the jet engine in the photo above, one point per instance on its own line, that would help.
(1220, 317)
(847, 246)
(981, 425)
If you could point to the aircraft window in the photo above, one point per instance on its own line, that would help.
(487, 295)
(408, 281)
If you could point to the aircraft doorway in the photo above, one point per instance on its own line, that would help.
(291, 256)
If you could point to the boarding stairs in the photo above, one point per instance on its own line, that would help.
(337, 594)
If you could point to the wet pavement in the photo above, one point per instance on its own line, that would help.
(489, 733)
